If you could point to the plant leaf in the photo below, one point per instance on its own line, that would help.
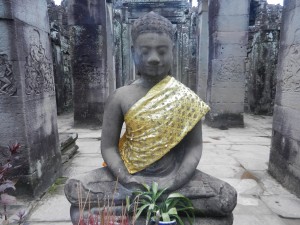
(172, 211)
(160, 193)
(165, 217)
(146, 186)
(179, 219)
(154, 189)
(140, 210)
(176, 195)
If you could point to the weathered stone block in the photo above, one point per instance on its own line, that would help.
(89, 60)
(84, 12)
(289, 68)
(229, 69)
(227, 95)
(27, 96)
(224, 120)
(228, 33)
(229, 7)
(202, 6)
(290, 5)
(223, 50)
(240, 38)
(232, 23)
(285, 149)
(287, 121)
(219, 108)
(38, 18)
(5, 11)
(284, 161)
(288, 99)
(290, 25)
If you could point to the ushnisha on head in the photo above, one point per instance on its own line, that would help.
(152, 23)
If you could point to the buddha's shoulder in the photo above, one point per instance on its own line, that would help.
(126, 90)
(123, 93)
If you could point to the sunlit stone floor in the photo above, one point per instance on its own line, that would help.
(239, 156)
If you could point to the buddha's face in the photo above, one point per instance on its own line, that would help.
(153, 54)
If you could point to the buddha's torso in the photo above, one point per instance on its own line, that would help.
(167, 163)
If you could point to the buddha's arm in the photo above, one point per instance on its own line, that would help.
(193, 151)
(111, 129)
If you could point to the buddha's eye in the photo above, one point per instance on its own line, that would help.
(144, 50)
(162, 50)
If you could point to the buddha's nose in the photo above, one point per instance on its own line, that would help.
(153, 59)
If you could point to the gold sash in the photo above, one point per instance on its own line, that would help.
(158, 122)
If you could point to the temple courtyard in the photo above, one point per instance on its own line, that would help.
(238, 156)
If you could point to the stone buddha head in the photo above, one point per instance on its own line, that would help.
(152, 37)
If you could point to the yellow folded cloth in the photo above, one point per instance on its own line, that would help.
(158, 122)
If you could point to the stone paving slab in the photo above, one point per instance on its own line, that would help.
(88, 146)
(227, 171)
(249, 205)
(286, 207)
(87, 160)
(257, 220)
(49, 209)
(245, 186)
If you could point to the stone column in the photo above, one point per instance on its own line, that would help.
(87, 21)
(284, 162)
(27, 92)
(58, 66)
(228, 38)
(202, 49)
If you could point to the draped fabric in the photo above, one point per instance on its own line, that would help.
(158, 122)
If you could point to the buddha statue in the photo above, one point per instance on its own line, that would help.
(163, 138)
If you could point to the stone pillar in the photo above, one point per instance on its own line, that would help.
(228, 38)
(202, 49)
(58, 67)
(262, 54)
(284, 162)
(27, 92)
(192, 66)
(87, 21)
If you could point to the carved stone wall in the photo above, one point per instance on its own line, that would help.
(61, 56)
(228, 38)
(263, 46)
(91, 75)
(27, 96)
(284, 162)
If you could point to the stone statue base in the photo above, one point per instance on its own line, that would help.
(226, 220)
(211, 197)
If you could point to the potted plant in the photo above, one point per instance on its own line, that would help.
(160, 209)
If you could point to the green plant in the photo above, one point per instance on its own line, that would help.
(147, 200)
(152, 201)
(8, 158)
